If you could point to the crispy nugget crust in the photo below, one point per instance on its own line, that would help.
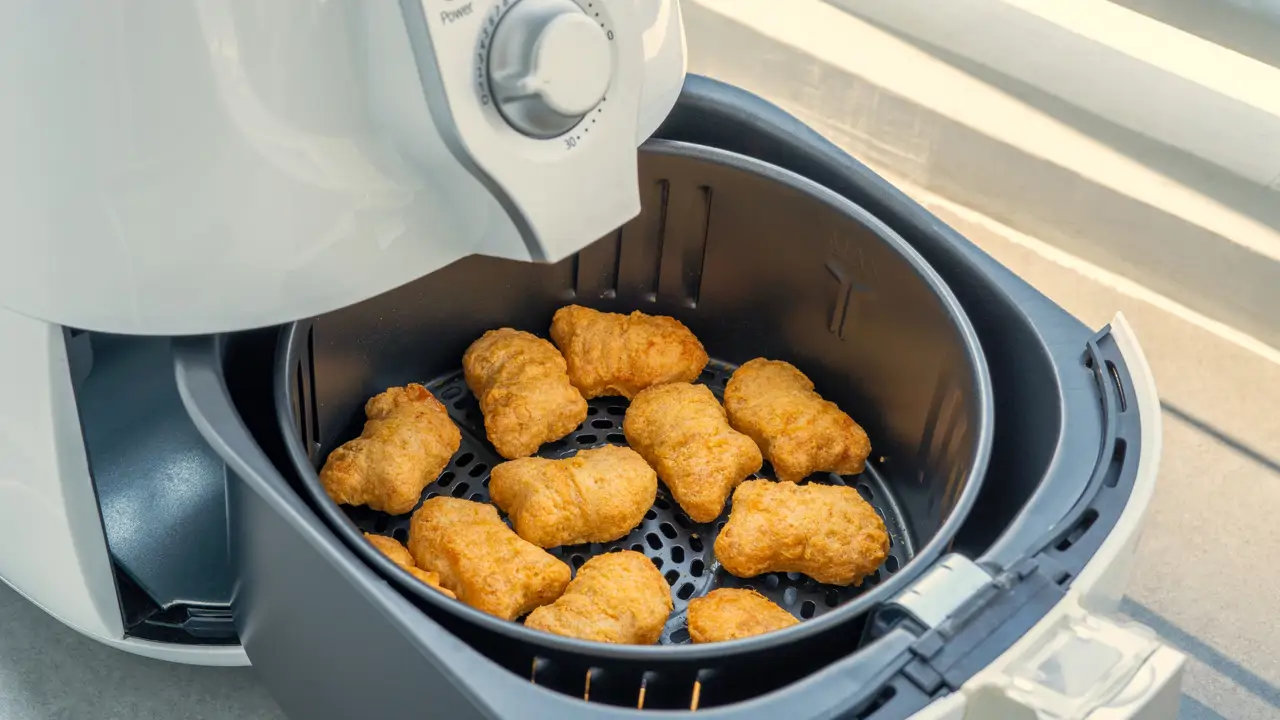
(612, 354)
(827, 532)
(598, 495)
(481, 560)
(399, 555)
(522, 383)
(407, 440)
(681, 430)
(734, 613)
(618, 597)
(798, 432)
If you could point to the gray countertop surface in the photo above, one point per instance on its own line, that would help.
(50, 672)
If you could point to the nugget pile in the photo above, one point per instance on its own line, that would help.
(533, 392)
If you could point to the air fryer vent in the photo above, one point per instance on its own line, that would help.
(679, 547)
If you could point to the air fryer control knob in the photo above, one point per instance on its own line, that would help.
(549, 65)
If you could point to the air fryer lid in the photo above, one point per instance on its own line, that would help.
(757, 262)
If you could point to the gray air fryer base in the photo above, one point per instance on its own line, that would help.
(331, 638)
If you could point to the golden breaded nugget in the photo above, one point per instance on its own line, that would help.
(733, 613)
(682, 431)
(406, 442)
(618, 597)
(399, 555)
(827, 532)
(597, 495)
(798, 432)
(522, 383)
(482, 560)
(613, 354)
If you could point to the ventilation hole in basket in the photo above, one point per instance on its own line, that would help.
(451, 393)
(682, 521)
(654, 541)
(696, 568)
(891, 564)
(602, 424)
(657, 562)
(617, 410)
(586, 439)
(616, 438)
(865, 491)
(680, 635)
(881, 514)
(669, 530)
(685, 591)
(464, 459)
(401, 534)
(476, 497)
(695, 543)
(651, 515)
(577, 561)
(486, 482)
(807, 609)
(891, 542)
(381, 523)
(672, 576)
(771, 582)
(638, 547)
(459, 404)
(706, 375)
(677, 554)
(662, 504)
(592, 410)
(432, 494)
(720, 525)
(478, 469)
(445, 479)
(460, 489)
(872, 579)
(793, 576)
(789, 596)
(833, 598)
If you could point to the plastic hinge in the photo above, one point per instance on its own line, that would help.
(942, 590)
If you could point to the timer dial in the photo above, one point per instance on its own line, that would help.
(549, 65)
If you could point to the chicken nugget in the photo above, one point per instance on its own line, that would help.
(399, 555)
(681, 430)
(522, 383)
(482, 560)
(407, 440)
(618, 597)
(597, 495)
(734, 613)
(798, 432)
(613, 354)
(827, 532)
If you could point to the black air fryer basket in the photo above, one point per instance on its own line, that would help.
(756, 261)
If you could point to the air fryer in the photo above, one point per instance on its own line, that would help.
(1004, 438)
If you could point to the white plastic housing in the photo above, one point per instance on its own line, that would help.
(191, 166)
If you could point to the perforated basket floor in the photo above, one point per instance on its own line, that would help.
(679, 547)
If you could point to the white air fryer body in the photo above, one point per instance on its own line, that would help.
(215, 165)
